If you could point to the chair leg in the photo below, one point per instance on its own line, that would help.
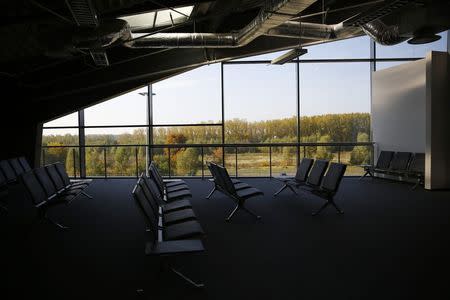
(339, 210)
(87, 195)
(321, 208)
(187, 279)
(211, 193)
(232, 213)
(365, 174)
(283, 188)
(251, 213)
(51, 221)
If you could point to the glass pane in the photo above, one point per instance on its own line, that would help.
(60, 137)
(186, 161)
(358, 47)
(260, 103)
(124, 160)
(187, 135)
(230, 160)
(163, 18)
(116, 136)
(211, 154)
(284, 160)
(253, 161)
(68, 120)
(405, 50)
(69, 156)
(380, 65)
(127, 109)
(334, 102)
(354, 157)
(161, 159)
(190, 98)
(95, 161)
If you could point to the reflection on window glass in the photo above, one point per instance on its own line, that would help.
(187, 135)
(358, 47)
(260, 103)
(189, 98)
(380, 65)
(68, 120)
(405, 50)
(127, 109)
(334, 105)
(116, 136)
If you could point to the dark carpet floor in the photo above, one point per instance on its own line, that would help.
(391, 243)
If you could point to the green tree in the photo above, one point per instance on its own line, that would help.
(188, 162)
(322, 151)
(360, 154)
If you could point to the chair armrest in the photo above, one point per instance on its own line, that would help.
(174, 247)
(283, 178)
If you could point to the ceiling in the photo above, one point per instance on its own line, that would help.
(70, 54)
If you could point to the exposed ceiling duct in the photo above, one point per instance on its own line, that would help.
(273, 14)
(383, 34)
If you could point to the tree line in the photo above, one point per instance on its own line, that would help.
(350, 127)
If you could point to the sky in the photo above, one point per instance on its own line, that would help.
(254, 92)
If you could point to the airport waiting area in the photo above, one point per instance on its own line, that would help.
(249, 149)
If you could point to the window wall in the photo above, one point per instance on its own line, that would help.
(256, 118)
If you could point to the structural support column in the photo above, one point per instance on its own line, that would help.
(373, 68)
(81, 143)
(437, 160)
(297, 78)
(223, 113)
(149, 155)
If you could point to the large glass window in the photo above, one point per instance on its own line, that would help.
(190, 98)
(127, 109)
(358, 47)
(260, 103)
(267, 109)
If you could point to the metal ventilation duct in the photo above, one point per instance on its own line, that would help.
(83, 12)
(274, 13)
(383, 34)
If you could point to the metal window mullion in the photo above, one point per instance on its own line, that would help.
(223, 112)
(297, 78)
(82, 143)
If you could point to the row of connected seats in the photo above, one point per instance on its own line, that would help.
(10, 169)
(49, 186)
(170, 219)
(233, 188)
(311, 177)
(406, 165)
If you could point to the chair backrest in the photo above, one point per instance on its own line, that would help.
(17, 167)
(2, 179)
(333, 178)
(145, 210)
(24, 162)
(33, 187)
(153, 188)
(7, 170)
(384, 159)
(54, 176)
(157, 176)
(224, 180)
(400, 161)
(61, 170)
(417, 164)
(303, 169)
(149, 196)
(45, 181)
(317, 171)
